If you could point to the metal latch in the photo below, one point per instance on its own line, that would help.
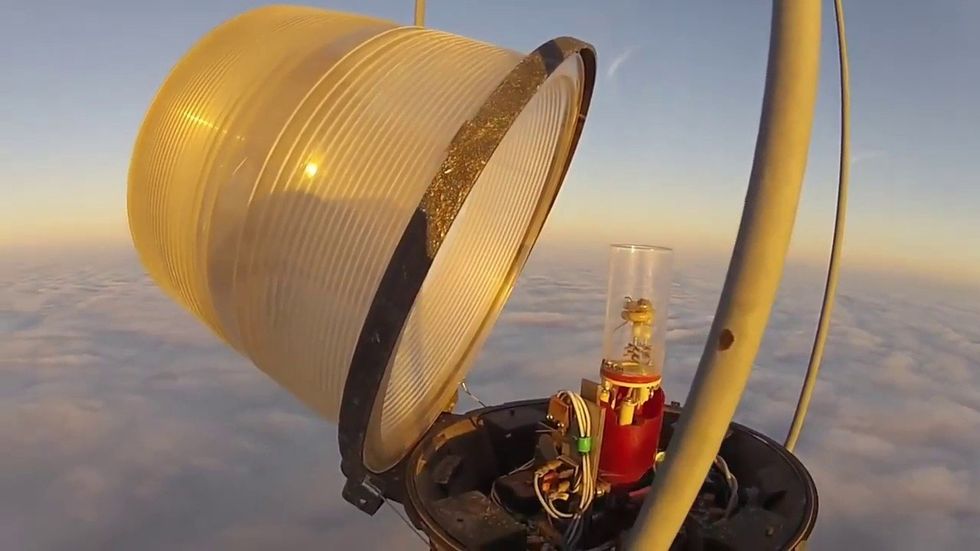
(364, 495)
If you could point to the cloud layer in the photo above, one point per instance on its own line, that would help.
(127, 425)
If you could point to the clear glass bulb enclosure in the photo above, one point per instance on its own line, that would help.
(634, 339)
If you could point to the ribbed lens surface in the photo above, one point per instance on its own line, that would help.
(277, 170)
(474, 265)
(209, 130)
(375, 133)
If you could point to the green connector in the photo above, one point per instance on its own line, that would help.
(584, 445)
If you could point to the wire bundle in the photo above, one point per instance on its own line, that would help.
(584, 481)
(732, 485)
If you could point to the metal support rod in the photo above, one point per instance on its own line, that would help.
(833, 270)
(419, 13)
(753, 275)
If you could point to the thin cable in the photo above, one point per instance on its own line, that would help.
(833, 269)
(419, 13)
(466, 389)
(528, 465)
(407, 523)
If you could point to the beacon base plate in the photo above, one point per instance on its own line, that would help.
(462, 456)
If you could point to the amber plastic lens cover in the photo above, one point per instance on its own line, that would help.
(295, 157)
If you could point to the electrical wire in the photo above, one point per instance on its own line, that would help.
(585, 477)
(589, 471)
(527, 465)
(414, 530)
(833, 269)
(466, 389)
(494, 496)
(732, 485)
(574, 531)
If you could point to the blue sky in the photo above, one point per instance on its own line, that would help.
(667, 149)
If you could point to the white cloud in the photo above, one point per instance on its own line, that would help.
(125, 424)
(618, 62)
(542, 319)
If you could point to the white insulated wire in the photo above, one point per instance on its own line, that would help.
(585, 481)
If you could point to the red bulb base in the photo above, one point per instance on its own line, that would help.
(629, 451)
